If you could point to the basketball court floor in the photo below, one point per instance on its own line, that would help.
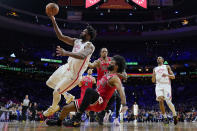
(37, 126)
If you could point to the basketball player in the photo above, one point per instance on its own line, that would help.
(135, 111)
(96, 100)
(69, 75)
(102, 65)
(114, 98)
(87, 82)
(162, 75)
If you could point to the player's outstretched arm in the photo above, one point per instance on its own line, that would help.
(115, 81)
(68, 40)
(95, 64)
(88, 49)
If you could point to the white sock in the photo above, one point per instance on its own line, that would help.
(165, 116)
(171, 106)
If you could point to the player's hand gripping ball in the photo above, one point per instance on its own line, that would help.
(52, 9)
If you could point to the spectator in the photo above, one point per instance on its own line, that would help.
(33, 110)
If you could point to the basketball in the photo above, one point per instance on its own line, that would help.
(52, 9)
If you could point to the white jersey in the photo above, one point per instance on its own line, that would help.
(159, 71)
(78, 66)
(135, 109)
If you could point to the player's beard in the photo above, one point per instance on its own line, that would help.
(104, 57)
(110, 68)
(83, 37)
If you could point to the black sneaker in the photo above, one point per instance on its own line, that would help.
(96, 118)
(175, 119)
(166, 121)
(74, 122)
(52, 122)
(100, 117)
(71, 123)
(100, 122)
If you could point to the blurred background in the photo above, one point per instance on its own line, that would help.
(166, 28)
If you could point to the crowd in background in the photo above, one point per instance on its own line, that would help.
(156, 116)
(14, 112)
(18, 111)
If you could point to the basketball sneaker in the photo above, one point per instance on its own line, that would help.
(74, 122)
(100, 117)
(116, 122)
(135, 121)
(52, 122)
(175, 119)
(106, 118)
(50, 111)
(166, 121)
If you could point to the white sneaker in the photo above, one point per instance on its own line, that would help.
(50, 111)
(106, 118)
(70, 98)
(135, 121)
(116, 122)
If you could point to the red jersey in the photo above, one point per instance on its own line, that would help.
(86, 83)
(102, 70)
(106, 91)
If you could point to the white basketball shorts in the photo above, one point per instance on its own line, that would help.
(163, 90)
(63, 79)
